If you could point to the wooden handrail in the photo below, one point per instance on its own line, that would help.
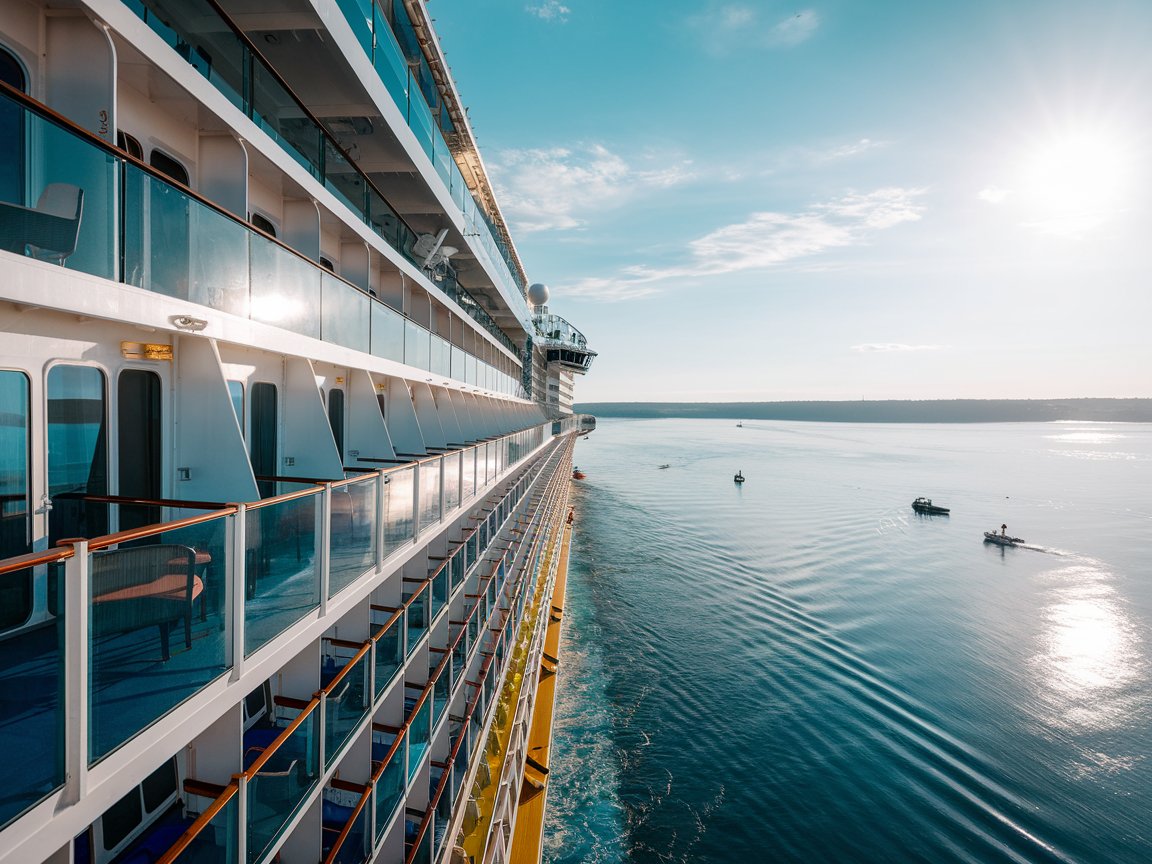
(287, 496)
(202, 822)
(347, 829)
(364, 649)
(34, 559)
(150, 530)
(271, 749)
(149, 502)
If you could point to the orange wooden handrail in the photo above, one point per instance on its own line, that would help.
(151, 530)
(202, 822)
(34, 559)
(268, 753)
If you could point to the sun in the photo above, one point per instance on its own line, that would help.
(1081, 175)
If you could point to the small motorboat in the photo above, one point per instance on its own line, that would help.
(925, 505)
(664, 466)
(739, 478)
(1002, 539)
(740, 425)
(577, 474)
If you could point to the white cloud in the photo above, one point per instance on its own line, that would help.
(766, 240)
(994, 195)
(558, 188)
(855, 148)
(549, 10)
(795, 29)
(871, 347)
(729, 28)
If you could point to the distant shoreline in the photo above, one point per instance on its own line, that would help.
(889, 411)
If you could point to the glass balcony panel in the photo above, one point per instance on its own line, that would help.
(390, 63)
(441, 356)
(356, 848)
(473, 549)
(285, 289)
(389, 788)
(429, 493)
(459, 364)
(65, 208)
(276, 112)
(32, 679)
(422, 852)
(282, 583)
(343, 180)
(420, 119)
(389, 653)
(451, 469)
(353, 533)
(456, 569)
(417, 618)
(419, 736)
(469, 480)
(439, 591)
(441, 690)
(442, 158)
(346, 319)
(218, 840)
(279, 787)
(156, 629)
(344, 708)
(384, 220)
(359, 15)
(417, 345)
(398, 517)
(387, 333)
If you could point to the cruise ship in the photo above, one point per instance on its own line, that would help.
(286, 444)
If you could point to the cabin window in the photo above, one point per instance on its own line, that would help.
(77, 451)
(169, 167)
(264, 224)
(326, 264)
(336, 418)
(11, 132)
(264, 434)
(139, 443)
(129, 145)
(15, 496)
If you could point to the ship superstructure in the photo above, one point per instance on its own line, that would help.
(282, 488)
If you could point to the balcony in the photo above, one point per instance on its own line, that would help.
(180, 245)
(563, 344)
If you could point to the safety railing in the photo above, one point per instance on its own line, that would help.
(177, 243)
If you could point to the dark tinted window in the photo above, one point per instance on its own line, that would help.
(263, 224)
(168, 166)
(121, 819)
(263, 437)
(159, 786)
(336, 418)
(15, 588)
(139, 442)
(77, 450)
(11, 132)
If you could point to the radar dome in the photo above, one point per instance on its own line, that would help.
(537, 293)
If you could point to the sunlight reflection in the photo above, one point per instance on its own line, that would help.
(1088, 436)
(1090, 652)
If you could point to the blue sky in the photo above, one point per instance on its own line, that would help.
(834, 200)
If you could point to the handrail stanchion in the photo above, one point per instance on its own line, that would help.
(235, 614)
(416, 500)
(324, 543)
(76, 597)
(381, 482)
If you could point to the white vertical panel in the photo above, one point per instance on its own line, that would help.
(426, 412)
(307, 435)
(223, 174)
(80, 74)
(367, 433)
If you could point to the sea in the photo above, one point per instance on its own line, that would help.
(802, 669)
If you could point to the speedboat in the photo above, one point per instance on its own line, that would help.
(1001, 539)
(665, 466)
(925, 505)
(739, 478)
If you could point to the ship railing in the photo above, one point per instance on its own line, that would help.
(389, 775)
(347, 696)
(350, 841)
(239, 70)
(200, 252)
(220, 600)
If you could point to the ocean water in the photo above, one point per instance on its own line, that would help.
(803, 669)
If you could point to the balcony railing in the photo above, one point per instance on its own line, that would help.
(225, 56)
(142, 229)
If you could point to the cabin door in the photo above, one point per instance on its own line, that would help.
(263, 443)
(139, 441)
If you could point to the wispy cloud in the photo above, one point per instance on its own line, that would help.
(549, 10)
(795, 29)
(726, 28)
(994, 195)
(873, 347)
(766, 240)
(558, 188)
